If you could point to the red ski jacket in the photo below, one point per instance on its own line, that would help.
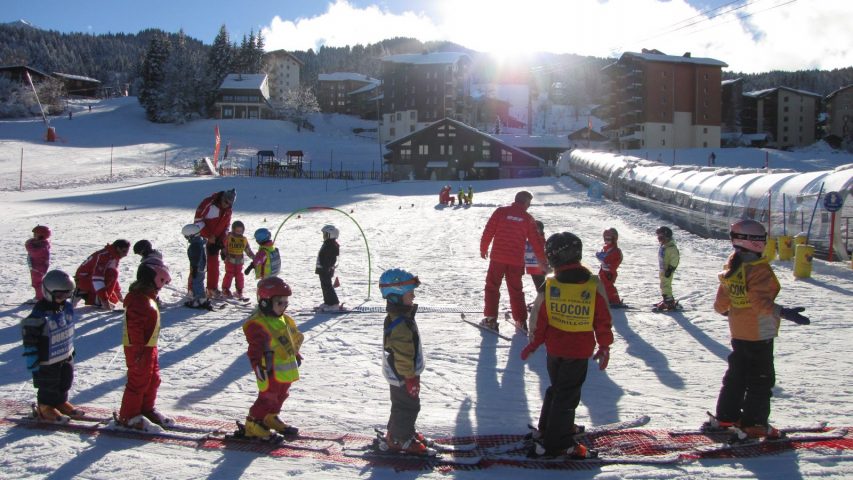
(214, 219)
(99, 272)
(141, 318)
(507, 230)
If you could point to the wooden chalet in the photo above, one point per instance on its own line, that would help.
(243, 95)
(16, 73)
(451, 150)
(78, 85)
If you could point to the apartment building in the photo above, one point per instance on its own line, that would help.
(282, 69)
(419, 89)
(788, 116)
(346, 92)
(839, 109)
(663, 101)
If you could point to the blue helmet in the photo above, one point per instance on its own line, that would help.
(394, 283)
(262, 235)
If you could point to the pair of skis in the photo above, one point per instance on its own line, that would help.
(437, 454)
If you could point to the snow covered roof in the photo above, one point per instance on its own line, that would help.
(426, 58)
(729, 82)
(535, 141)
(836, 92)
(366, 88)
(768, 91)
(342, 76)
(76, 77)
(242, 81)
(655, 57)
(283, 53)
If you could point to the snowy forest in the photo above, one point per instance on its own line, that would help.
(176, 76)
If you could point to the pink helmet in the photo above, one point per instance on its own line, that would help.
(749, 235)
(153, 270)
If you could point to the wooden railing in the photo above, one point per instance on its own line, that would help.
(355, 175)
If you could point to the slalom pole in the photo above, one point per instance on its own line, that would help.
(363, 236)
(809, 232)
(784, 217)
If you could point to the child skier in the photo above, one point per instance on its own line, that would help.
(267, 262)
(236, 245)
(461, 196)
(274, 343)
(610, 257)
(534, 269)
(144, 249)
(327, 259)
(197, 255)
(668, 259)
(403, 362)
(139, 337)
(573, 318)
(469, 199)
(38, 258)
(48, 336)
(746, 295)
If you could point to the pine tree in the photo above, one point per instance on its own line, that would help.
(153, 76)
(220, 60)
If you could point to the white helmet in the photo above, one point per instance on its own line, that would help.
(749, 235)
(56, 281)
(330, 232)
(190, 230)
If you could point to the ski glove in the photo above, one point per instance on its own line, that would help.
(668, 272)
(31, 356)
(600, 256)
(602, 356)
(793, 314)
(413, 386)
(298, 359)
(260, 373)
(527, 351)
(249, 268)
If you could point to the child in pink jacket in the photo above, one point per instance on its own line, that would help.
(38, 257)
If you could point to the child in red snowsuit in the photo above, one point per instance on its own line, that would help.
(139, 337)
(236, 245)
(38, 257)
(274, 343)
(610, 257)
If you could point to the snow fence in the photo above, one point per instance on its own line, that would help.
(707, 200)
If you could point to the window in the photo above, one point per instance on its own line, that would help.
(399, 116)
(663, 143)
(785, 139)
(392, 132)
(705, 130)
(705, 144)
(785, 119)
(450, 149)
(785, 109)
(506, 156)
(663, 128)
(423, 149)
(227, 112)
(413, 115)
(411, 128)
(785, 98)
(406, 154)
(441, 149)
(785, 128)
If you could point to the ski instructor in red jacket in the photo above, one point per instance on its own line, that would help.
(213, 216)
(507, 230)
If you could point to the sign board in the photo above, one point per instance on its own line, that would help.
(832, 202)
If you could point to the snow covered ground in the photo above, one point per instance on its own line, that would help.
(666, 366)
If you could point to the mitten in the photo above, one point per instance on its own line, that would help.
(31, 356)
(298, 359)
(600, 256)
(668, 272)
(249, 268)
(602, 356)
(413, 386)
(527, 351)
(260, 373)
(793, 314)
(222, 254)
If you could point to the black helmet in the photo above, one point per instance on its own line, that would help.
(665, 231)
(238, 224)
(142, 247)
(563, 248)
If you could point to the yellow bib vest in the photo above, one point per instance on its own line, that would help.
(736, 285)
(237, 245)
(571, 306)
(155, 335)
(285, 340)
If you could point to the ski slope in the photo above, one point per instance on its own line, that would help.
(666, 366)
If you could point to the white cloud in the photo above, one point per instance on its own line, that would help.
(757, 36)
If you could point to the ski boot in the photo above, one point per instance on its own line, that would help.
(254, 429)
(158, 418)
(49, 413)
(226, 293)
(213, 293)
(412, 446)
(714, 424)
(199, 303)
(272, 422)
(240, 296)
(762, 431)
(135, 423)
(490, 322)
(668, 304)
(70, 410)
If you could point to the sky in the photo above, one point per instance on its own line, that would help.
(749, 35)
